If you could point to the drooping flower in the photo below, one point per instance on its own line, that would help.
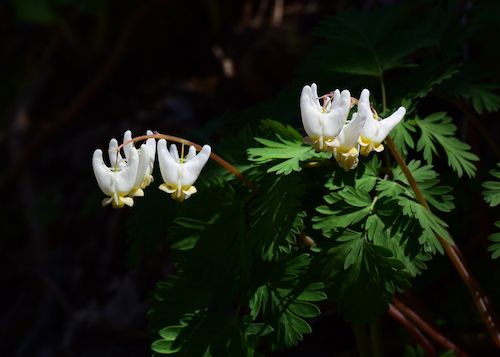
(323, 122)
(180, 173)
(376, 129)
(147, 153)
(346, 146)
(117, 180)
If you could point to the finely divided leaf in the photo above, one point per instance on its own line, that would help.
(289, 154)
(438, 129)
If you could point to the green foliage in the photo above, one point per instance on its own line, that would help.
(438, 128)
(372, 50)
(492, 188)
(469, 84)
(277, 217)
(241, 273)
(289, 148)
(363, 276)
(492, 197)
(285, 300)
(47, 12)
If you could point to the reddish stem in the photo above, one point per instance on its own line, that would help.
(430, 330)
(415, 332)
(453, 252)
(226, 165)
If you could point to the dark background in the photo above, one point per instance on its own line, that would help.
(76, 278)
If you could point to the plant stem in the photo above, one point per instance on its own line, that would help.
(423, 325)
(453, 252)
(384, 95)
(226, 165)
(362, 342)
(376, 338)
(415, 332)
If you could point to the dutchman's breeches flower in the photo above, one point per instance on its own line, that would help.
(126, 177)
(147, 154)
(117, 180)
(346, 147)
(376, 129)
(180, 173)
(323, 121)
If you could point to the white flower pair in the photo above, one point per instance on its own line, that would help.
(127, 177)
(328, 129)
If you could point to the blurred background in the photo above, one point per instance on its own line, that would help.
(76, 279)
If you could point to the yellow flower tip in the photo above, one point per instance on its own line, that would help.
(365, 150)
(367, 146)
(347, 158)
(378, 148)
(138, 192)
(363, 141)
(117, 201)
(350, 153)
(168, 188)
(147, 181)
(178, 194)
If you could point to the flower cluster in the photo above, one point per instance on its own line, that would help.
(128, 176)
(328, 128)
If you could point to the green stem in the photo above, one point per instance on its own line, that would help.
(384, 95)
(376, 338)
(362, 341)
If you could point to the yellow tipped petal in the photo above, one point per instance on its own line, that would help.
(137, 193)
(128, 201)
(189, 191)
(168, 188)
(378, 148)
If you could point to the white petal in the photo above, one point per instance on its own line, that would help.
(334, 120)
(115, 158)
(365, 97)
(336, 98)
(125, 178)
(314, 97)
(168, 166)
(192, 169)
(372, 126)
(345, 102)
(126, 148)
(309, 112)
(151, 143)
(143, 167)
(102, 173)
(191, 153)
(387, 124)
(349, 135)
(174, 153)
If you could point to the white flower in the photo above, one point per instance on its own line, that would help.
(180, 173)
(323, 123)
(119, 179)
(147, 154)
(345, 146)
(376, 129)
